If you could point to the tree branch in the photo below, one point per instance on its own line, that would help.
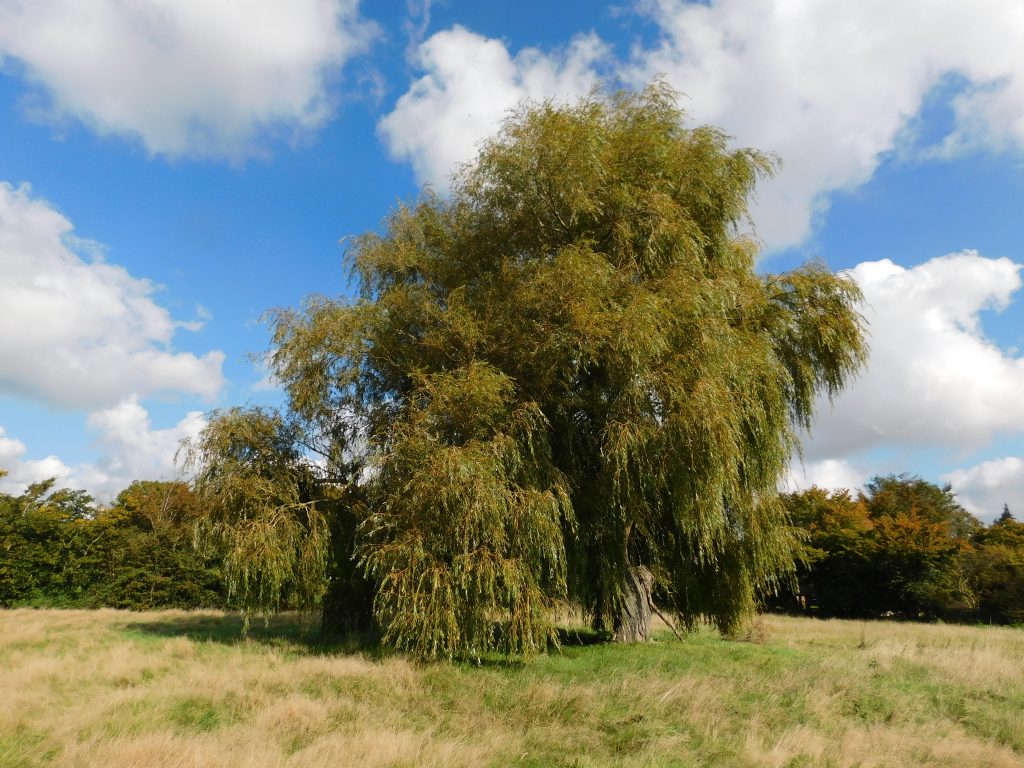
(667, 622)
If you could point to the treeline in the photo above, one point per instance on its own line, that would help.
(901, 548)
(58, 549)
(904, 548)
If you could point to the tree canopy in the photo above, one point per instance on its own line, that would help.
(565, 383)
(59, 548)
(904, 547)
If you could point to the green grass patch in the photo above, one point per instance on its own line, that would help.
(26, 748)
(198, 713)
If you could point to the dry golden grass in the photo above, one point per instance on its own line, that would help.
(177, 689)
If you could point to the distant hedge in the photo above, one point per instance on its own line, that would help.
(57, 549)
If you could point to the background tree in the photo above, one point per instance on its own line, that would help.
(45, 538)
(565, 382)
(902, 547)
(146, 556)
(837, 571)
(921, 533)
(996, 568)
(59, 549)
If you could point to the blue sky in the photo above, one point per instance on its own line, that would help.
(169, 171)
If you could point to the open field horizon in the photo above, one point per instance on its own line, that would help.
(176, 688)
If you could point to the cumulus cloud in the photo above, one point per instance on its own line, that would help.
(831, 87)
(128, 446)
(189, 76)
(23, 472)
(935, 378)
(131, 449)
(833, 474)
(470, 84)
(985, 487)
(79, 332)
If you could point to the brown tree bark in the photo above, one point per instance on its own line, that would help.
(633, 621)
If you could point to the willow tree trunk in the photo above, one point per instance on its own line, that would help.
(347, 607)
(633, 621)
(348, 604)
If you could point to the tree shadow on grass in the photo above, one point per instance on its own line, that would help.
(287, 631)
(582, 636)
(294, 633)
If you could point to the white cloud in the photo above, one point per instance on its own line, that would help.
(22, 472)
(830, 87)
(471, 83)
(128, 446)
(934, 378)
(984, 488)
(185, 76)
(131, 449)
(833, 474)
(416, 24)
(79, 332)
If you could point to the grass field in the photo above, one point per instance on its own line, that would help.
(148, 690)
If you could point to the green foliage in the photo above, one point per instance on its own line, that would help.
(836, 574)
(905, 547)
(45, 538)
(148, 558)
(58, 549)
(465, 521)
(260, 514)
(996, 571)
(566, 372)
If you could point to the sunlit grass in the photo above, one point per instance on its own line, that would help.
(108, 688)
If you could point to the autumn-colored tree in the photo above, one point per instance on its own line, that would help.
(565, 382)
(901, 547)
(836, 573)
(158, 505)
(921, 533)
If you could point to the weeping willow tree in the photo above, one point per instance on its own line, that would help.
(260, 510)
(565, 383)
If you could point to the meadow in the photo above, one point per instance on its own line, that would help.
(173, 688)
